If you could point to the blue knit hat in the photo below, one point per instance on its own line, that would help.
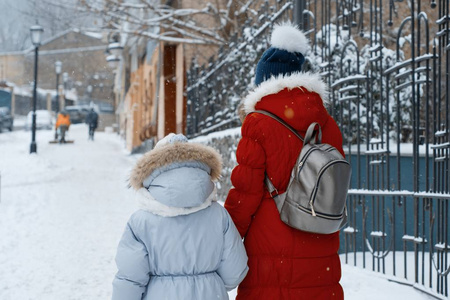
(286, 54)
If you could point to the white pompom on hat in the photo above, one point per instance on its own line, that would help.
(286, 55)
(287, 36)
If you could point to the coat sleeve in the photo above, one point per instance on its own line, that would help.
(133, 268)
(247, 177)
(233, 266)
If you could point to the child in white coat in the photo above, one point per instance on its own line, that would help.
(181, 244)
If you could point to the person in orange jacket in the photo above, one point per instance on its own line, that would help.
(62, 124)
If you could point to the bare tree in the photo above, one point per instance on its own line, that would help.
(58, 15)
(206, 22)
(54, 16)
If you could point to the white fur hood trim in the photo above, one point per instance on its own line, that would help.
(309, 81)
(148, 203)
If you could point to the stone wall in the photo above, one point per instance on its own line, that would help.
(226, 143)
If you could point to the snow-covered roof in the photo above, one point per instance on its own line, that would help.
(90, 34)
(22, 90)
(76, 30)
(71, 94)
(6, 84)
(95, 35)
(71, 50)
(21, 52)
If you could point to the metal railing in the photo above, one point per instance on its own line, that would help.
(389, 95)
(387, 65)
(214, 90)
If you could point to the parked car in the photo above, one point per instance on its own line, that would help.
(77, 113)
(44, 120)
(6, 119)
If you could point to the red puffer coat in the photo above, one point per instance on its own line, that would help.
(284, 263)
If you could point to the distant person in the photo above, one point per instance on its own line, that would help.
(62, 125)
(92, 122)
(181, 243)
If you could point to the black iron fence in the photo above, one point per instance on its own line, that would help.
(387, 65)
(389, 93)
(215, 90)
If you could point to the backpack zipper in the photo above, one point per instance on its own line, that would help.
(300, 164)
(305, 157)
(313, 213)
(322, 215)
(316, 187)
(329, 217)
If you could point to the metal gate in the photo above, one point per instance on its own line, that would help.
(387, 66)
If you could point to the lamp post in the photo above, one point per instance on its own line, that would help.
(58, 67)
(115, 50)
(65, 77)
(36, 33)
(113, 61)
(89, 90)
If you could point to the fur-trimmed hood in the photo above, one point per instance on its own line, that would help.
(175, 153)
(312, 82)
(176, 178)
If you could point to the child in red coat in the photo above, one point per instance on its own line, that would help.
(284, 263)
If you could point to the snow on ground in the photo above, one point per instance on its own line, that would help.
(62, 213)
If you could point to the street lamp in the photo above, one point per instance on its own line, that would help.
(58, 67)
(89, 91)
(113, 61)
(65, 79)
(115, 51)
(36, 33)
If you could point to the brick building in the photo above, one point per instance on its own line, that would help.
(151, 82)
(88, 76)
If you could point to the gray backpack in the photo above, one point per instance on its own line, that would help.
(315, 199)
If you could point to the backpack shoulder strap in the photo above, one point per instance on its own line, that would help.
(270, 187)
(313, 134)
(280, 121)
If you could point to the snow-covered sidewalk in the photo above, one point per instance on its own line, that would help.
(62, 213)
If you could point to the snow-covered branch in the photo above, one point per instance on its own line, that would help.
(206, 23)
